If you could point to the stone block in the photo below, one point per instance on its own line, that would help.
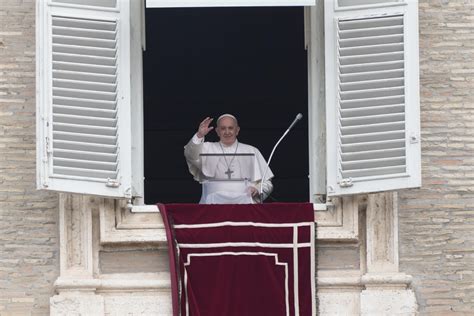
(387, 302)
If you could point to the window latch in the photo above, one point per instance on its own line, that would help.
(345, 183)
(414, 138)
(112, 183)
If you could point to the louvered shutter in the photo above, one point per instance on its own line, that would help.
(83, 97)
(372, 96)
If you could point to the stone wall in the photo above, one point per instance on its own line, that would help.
(28, 218)
(437, 222)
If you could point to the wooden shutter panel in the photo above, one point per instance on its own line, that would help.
(83, 97)
(372, 97)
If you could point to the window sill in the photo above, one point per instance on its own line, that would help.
(154, 209)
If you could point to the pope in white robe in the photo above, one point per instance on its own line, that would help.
(230, 172)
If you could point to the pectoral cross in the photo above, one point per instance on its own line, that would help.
(229, 173)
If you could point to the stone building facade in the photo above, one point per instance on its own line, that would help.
(436, 246)
(432, 253)
(29, 236)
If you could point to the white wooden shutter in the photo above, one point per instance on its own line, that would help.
(83, 97)
(372, 96)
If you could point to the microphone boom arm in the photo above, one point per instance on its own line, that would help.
(298, 117)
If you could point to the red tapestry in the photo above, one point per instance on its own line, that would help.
(252, 259)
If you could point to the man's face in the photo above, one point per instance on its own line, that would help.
(227, 130)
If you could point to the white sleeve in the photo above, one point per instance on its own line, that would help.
(197, 140)
(193, 148)
(267, 189)
(191, 152)
(261, 166)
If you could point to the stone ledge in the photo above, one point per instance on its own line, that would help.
(92, 285)
(386, 279)
(339, 282)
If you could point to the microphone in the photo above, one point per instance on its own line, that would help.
(298, 117)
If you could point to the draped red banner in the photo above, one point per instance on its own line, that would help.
(250, 259)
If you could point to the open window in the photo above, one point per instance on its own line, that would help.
(201, 62)
(363, 95)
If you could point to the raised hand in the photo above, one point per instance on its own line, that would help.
(204, 128)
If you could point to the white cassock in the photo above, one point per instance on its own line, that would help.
(211, 168)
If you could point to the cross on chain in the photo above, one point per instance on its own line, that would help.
(229, 173)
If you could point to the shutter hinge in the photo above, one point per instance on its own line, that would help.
(49, 150)
(112, 183)
(345, 183)
(330, 189)
(128, 193)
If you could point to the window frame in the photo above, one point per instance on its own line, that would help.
(314, 28)
(226, 3)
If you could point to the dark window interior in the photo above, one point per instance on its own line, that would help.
(200, 62)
